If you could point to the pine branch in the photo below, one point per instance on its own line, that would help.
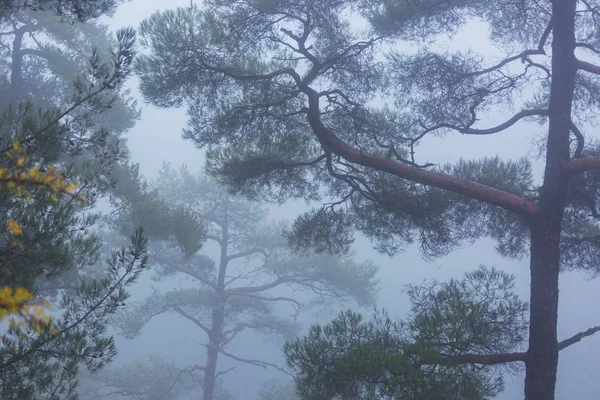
(494, 359)
(490, 195)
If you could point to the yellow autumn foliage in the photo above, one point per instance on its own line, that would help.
(32, 312)
(16, 178)
(19, 179)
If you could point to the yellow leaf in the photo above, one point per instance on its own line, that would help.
(47, 179)
(14, 227)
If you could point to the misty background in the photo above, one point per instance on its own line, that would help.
(156, 138)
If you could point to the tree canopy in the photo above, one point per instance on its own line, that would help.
(422, 356)
(321, 100)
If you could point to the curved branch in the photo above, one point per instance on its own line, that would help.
(507, 60)
(545, 35)
(499, 128)
(221, 373)
(245, 253)
(261, 288)
(258, 363)
(490, 195)
(580, 140)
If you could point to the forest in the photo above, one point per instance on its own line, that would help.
(299, 199)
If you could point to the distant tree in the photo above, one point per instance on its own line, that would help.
(318, 99)
(278, 391)
(252, 280)
(148, 379)
(39, 43)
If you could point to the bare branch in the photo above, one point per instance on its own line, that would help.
(246, 253)
(494, 359)
(266, 286)
(580, 140)
(588, 47)
(588, 67)
(221, 373)
(193, 319)
(258, 363)
(507, 60)
(489, 131)
(545, 35)
(576, 338)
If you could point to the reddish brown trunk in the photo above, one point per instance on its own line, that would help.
(542, 355)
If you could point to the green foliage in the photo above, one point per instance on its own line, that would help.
(56, 235)
(45, 365)
(251, 115)
(321, 230)
(422, 357)
(76, 10)
(136, 204)
(58, 123)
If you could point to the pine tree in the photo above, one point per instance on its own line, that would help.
(294, 99)
(249, 282)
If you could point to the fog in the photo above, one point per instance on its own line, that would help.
(156, 138)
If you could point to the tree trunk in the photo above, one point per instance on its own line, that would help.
(212, 354)
(218, 313)
(542, 355)
(14, 92)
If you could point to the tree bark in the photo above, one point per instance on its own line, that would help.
(542, 356)
(212, 354)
